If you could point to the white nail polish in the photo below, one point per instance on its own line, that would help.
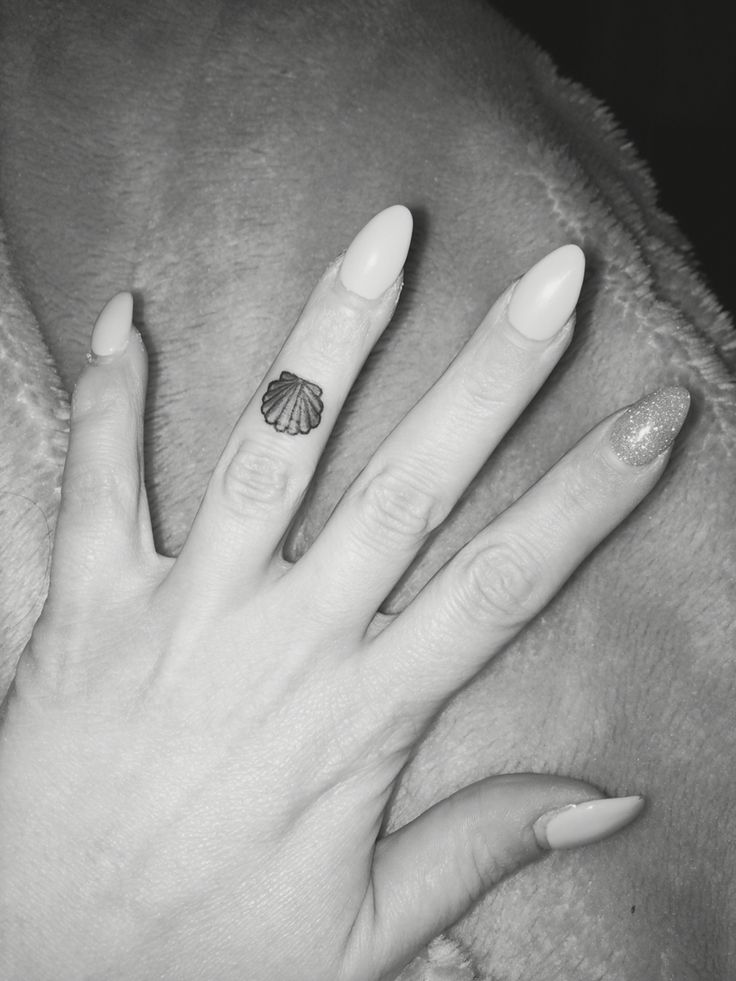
(111, 332)
(377, 254)
(582, 824)
(546, 295)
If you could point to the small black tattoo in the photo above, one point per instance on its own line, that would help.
(292, 405)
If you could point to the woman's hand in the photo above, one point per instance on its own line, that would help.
(198, 753)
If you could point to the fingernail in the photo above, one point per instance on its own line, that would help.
(649, 426)
(582, 824)
(377, 254)
(545, 297)
(111, 332)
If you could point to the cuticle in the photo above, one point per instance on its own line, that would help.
(100, 360)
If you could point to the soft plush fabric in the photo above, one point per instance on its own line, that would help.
(542, 160)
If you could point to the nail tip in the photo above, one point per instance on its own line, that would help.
(123, 300)
(111, 331)
(647, 428)
(376, 256)
(546, 296)
(573, 256)
(587, 822)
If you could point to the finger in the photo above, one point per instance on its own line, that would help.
(508, 573)
(422, 468)
(104, 525)
(427, 874)
(271, 455)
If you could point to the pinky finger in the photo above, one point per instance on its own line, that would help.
(104, 526)
(503, 578)
(427, 874)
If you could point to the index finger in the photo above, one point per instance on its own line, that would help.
(271, 455)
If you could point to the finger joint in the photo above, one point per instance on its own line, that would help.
(255, 480)
(100, 488)
(501, 583)
(396, 510)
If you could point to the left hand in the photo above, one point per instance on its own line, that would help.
(198, 753)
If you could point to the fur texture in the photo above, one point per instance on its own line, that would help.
(500, 159)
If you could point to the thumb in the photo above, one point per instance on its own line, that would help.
(427, 874)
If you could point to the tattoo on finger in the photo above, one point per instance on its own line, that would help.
(292, 404)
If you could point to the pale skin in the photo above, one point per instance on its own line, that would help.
(198, 752)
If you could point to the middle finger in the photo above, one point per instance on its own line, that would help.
(425, 464)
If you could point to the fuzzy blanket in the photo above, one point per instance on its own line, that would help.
(568, 129)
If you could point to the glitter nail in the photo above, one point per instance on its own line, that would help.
(649, 426)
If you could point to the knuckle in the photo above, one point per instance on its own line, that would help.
(501, 582)
(332, 333)
(254, 480)
(585, 488)
(580, 498)
(480, 869)
(396, 510)
(485, 391)
(492, 379)
(101, 488)
(102, 397)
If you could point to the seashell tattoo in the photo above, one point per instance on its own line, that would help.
(292, 405)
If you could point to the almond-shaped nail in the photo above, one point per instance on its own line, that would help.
(545, 297)
(582, 824)
(377, 254)
(649, 426)
(111, 332)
